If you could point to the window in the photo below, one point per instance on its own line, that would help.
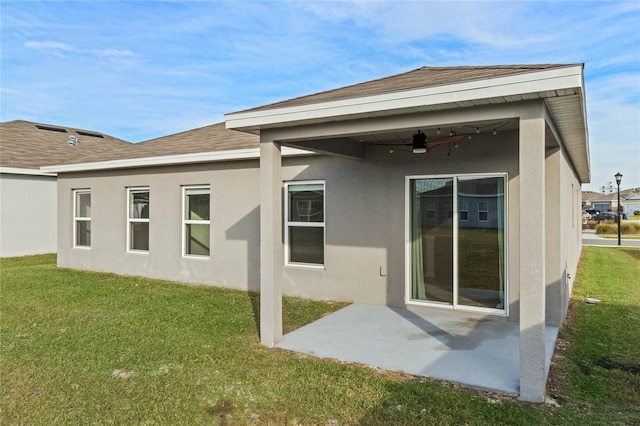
(138, 219)
(464, 210)
(304, 233)
(196, 224)
(483, 211)
(82, 218)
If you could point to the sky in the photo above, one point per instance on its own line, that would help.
(139, 70)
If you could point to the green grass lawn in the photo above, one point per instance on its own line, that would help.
(90, 348)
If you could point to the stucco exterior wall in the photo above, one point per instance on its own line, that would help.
(27, 215)
(365, 219)
(563, 233)
(234, 227)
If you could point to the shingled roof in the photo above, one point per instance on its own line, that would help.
(28, 145)
(214, 137)
(419, 78)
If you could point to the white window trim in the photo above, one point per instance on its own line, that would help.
(135, 220)
(486, 210)
(466, 210)
(186, 222)
(288, 223)
(407, 244)
(77, 219)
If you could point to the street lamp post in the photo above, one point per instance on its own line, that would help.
(618, 180)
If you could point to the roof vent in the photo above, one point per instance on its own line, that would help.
(72, 141)
(93, 135)
(51, 128)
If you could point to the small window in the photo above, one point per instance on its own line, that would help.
(196, 221)
(463, 210)
(483, 211)
(138, 219)
(305, 223)
(82, 218)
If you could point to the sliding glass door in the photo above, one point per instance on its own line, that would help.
(456, 244)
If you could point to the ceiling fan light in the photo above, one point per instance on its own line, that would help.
(419, 143)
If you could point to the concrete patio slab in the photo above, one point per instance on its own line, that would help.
(477, 351)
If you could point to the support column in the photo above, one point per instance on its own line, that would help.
(271, 246)
(532, 254)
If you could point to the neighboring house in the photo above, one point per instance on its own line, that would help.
(631, 202)
(411, 190)
(28, 209)
(609, 202)
(598, 201)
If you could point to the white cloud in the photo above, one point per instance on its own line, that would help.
(50, 46)
(113, 53)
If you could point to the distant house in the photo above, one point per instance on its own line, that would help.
(631, 202)
(609, 202)
(28, 206)
(414, 190)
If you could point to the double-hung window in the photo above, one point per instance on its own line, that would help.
(463, 207)
(82, 218)
(138, 219)
(305, 223)
(196, 221)
(483, 211)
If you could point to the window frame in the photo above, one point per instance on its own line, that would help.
(131, 220)
(289, 223)
(485, 211)
(463, 207)
(186, 221)
(77, 218)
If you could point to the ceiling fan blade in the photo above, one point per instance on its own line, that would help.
(445, 139)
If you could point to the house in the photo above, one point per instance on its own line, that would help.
(631, 202)
(609, 202)
(28, 208)
(601, 202)
(410, 191)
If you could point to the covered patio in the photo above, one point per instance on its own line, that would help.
(522, 127)
(477, 351)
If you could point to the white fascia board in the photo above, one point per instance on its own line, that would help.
(199, 157)
(532, 82)
(20, 171)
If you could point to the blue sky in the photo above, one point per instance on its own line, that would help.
(139, 70)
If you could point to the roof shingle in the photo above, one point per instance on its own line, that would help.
(28, 145)
(418, 78)
(214, 137)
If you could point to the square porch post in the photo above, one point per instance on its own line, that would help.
(271, 245)
(532, 254)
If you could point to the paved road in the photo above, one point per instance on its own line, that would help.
(589, 238)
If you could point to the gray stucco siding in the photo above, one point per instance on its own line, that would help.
(234, 224)
(364, 220)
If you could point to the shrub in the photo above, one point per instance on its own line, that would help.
(612, 228)
(636, 212)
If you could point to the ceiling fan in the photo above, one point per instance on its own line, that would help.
(421, 142)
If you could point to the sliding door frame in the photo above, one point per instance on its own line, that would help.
(408, 238)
